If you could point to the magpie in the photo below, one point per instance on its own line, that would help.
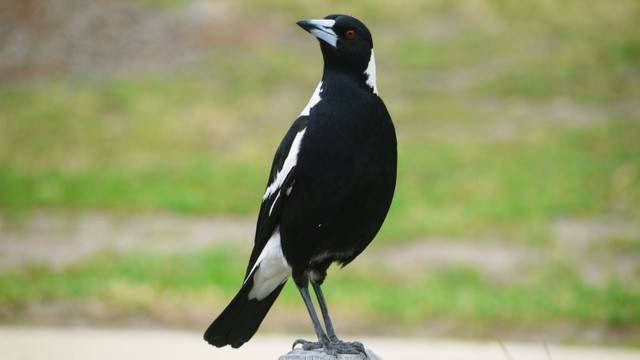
(329, 190)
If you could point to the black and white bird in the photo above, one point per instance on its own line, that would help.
(330, 187)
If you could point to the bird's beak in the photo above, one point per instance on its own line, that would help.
(322, 29)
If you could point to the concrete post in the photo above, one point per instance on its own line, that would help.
(319, 354)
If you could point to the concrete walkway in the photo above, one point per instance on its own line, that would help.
(26, 343)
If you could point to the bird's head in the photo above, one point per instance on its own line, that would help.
(346, 44)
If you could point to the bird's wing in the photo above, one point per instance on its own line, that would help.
(280, 184)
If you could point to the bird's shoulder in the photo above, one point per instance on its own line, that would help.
(349, 114)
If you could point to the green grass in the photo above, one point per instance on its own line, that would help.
(183, 188)
(553, 293)
(198, 143)
(182, 143)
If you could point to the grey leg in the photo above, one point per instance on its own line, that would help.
(339, 345)
(323, 341)
(325, 312)
(312, 313)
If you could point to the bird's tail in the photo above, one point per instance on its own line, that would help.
(241, 318)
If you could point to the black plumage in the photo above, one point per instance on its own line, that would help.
(330, 187)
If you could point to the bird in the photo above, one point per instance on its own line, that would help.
(328, 193)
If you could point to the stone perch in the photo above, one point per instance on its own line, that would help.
(319, 354)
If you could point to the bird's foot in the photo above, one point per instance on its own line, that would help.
(332, 346)
(307, 345)
(346, 347)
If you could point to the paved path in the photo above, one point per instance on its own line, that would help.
(26, 343)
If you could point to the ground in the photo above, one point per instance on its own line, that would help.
(80, 343)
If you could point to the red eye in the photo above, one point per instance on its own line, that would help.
(350, 34)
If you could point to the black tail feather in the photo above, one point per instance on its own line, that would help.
(241, 318)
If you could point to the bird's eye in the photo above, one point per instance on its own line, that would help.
(350, 34)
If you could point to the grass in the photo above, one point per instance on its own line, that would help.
(553, 293)
(197, 143)
(462, 186)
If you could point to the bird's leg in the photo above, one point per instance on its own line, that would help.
(331, 333)
(341, 346)
(323, 341)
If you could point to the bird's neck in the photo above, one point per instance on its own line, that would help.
(363, 76)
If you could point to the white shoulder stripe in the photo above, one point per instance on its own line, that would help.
(289, 162)
(371, 73)
(315, 99)
(274, 203)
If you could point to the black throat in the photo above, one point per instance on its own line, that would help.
(355, 69)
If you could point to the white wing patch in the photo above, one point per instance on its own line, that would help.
(289, 162)
(371, 73)
(272, 268)
(315, 99)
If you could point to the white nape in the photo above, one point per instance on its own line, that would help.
(289, 162)
(371, 73)
(315, 99)
(272, 268)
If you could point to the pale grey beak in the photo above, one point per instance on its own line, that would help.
(322, 29)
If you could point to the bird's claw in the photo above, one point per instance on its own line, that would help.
(332, 346)
(347, 347)
(307, 345)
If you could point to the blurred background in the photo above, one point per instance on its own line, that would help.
(136, 139)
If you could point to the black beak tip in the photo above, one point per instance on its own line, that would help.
(304, 24)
